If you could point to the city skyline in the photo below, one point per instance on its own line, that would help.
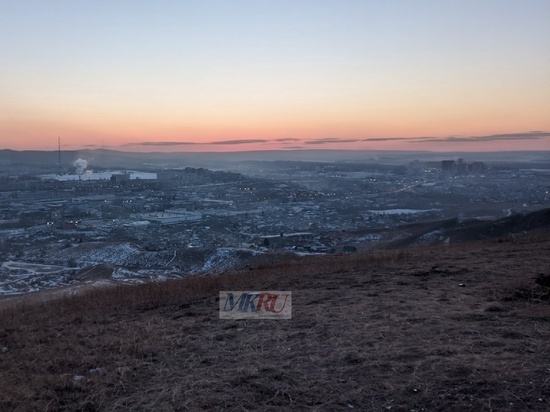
(249, 75)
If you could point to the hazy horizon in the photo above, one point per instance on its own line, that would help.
(504, 143)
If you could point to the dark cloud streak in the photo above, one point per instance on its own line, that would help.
(488, 138)
(160, 143)
(390, 139)
(533, 135)
(331, 140)
(242, 141)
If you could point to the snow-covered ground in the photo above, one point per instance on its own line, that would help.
(369, 238)
(221, 260)
(107, 263)
(22, 277)
(90, 175)
(115, 254)
(433, 237)
(129, 276)
(401, 211)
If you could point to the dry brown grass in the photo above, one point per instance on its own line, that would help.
(416, 329)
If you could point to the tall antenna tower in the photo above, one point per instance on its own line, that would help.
(59, 153)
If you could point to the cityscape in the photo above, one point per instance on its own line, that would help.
(84, 225)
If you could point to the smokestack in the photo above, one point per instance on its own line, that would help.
(59, 153)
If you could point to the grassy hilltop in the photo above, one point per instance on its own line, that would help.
(458, 327)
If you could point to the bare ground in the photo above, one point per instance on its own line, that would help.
(462, 327)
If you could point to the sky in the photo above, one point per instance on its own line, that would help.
(206, 75)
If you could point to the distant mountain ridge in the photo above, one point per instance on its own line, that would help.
(114, 158)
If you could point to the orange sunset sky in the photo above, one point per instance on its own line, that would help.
(261, 75)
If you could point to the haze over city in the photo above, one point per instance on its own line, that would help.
(257, 75)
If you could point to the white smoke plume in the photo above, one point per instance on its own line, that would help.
(80, 165)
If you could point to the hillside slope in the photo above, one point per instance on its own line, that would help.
(461, 327)
(457, 231)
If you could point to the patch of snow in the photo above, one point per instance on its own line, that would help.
(89, 175)
(369, 238)
(432, 237)
(401, 211)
